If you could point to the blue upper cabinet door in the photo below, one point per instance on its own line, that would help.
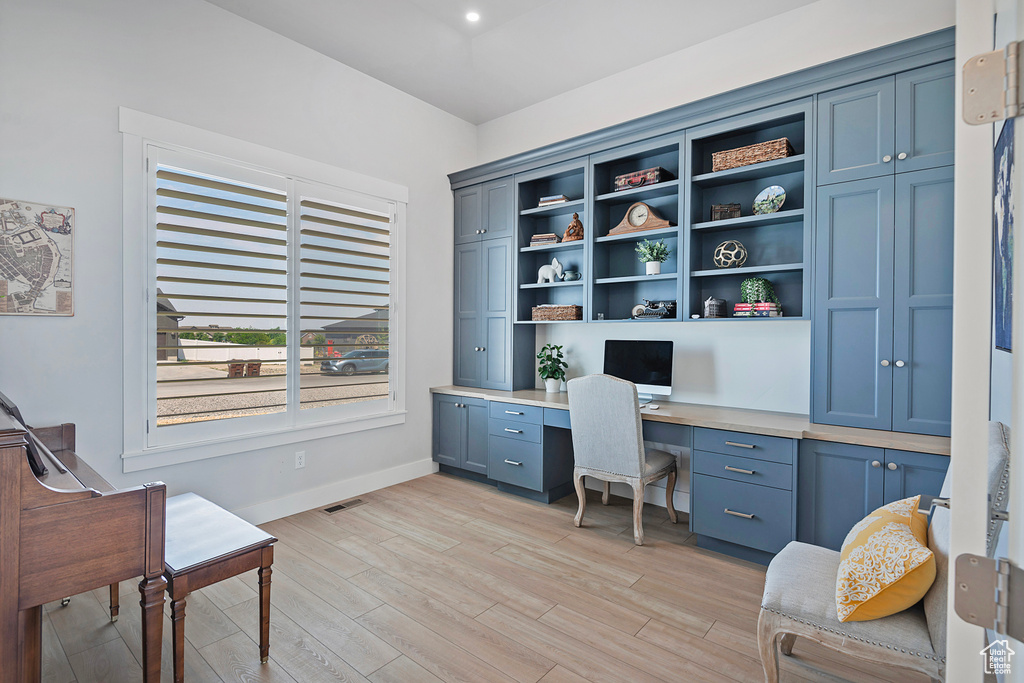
(499, 209)
(469, 214)
(923, 302)
(496, 316)
(838, 484)
(856, 132)
(924, 118)
(468, 359)
(448, 431)
(853, 314)
(910, 474)
(474, 454)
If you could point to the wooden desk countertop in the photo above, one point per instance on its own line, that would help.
(788, 425)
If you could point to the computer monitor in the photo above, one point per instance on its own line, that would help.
(645, 363)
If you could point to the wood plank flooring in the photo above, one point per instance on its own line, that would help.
(442, 579)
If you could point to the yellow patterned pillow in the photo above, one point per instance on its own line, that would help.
(885, 564)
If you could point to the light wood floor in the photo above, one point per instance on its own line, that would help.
(441, 579)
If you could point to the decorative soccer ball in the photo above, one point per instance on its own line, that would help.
(730, 254)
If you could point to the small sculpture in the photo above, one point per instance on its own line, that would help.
(714, 308)
(574, 231)
(550, 273)
(730, 254)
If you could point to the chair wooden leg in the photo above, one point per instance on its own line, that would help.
(264, 581)
(638, 512)
(178, 638)
(670, 490)
(786, 643)
(114, 600)
(767, 629)
(606, 493)
(581, 493)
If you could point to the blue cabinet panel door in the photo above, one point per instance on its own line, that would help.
(496, 316)
(910, 474)
(447, 430)
(855, 132)
(923, 302)
(468, 360)
(853, 310)
(924, 118)
(499, 208)
(468, 214)
(474, 456)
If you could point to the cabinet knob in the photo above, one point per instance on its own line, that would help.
(885, 363)
(483, 231)
(901, 156)
(477, 232)
(481, 349)
(892, 466)
(875, 463)
(900, 364)
(887, 158)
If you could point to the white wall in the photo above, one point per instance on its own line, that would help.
(770, 369)
(65, 68)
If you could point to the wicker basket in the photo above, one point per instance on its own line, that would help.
(557, 313)
(751, 154)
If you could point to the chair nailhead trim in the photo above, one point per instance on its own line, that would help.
(915, 653)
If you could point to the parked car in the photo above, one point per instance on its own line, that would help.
(367, 360)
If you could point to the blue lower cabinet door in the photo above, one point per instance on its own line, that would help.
(475, 455)
(746, 514)
(922, 370)
(448, 434)
(838, 485)
(911, 474)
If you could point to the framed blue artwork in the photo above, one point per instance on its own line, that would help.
(1002, 238)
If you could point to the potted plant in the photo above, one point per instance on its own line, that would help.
(552, 367)
(653, 254)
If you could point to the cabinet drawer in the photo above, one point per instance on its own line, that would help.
(746, 470)
(769, 528)
(555, 417)
(521, 431)
(517, 412)
(515, 462)
(756, 446)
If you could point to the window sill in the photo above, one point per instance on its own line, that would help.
(152, 458)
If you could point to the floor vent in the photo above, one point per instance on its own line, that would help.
(338, 507)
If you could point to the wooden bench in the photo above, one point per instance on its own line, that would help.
(205, 544)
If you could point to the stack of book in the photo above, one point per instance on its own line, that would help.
(760, 310)
(552, 199)
(544, 238)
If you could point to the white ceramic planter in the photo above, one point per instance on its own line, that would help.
(654, 267)
(552, 386)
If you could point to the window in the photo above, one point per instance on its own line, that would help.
(273, 300)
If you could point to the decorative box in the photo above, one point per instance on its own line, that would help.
(751, 154)
(648, 176)
(557, 312)
(719, 212)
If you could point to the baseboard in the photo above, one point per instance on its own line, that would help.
(333, 492)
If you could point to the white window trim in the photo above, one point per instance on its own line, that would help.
(140, 130)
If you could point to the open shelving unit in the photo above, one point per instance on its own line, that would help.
(572, 180)
(777, 244)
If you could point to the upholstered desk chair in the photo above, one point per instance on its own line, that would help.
(800, 595)
(608, 443)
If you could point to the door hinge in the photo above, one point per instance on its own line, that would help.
(990, 594)
(992, 87)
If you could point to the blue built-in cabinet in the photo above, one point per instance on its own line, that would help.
(460, 433)
(883, 289)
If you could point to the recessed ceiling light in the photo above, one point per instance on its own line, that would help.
(472, 16)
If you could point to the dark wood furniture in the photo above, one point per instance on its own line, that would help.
(65, 533)
(207, 544)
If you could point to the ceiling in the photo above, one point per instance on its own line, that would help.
(520, 52)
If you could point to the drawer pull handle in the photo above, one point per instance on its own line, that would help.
(513, 462)
(738, 514)
(737, 469)
(740, 445)
(514, 431)
(513, 412)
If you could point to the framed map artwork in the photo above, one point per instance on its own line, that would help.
(36, 258)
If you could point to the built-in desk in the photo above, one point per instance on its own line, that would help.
(758, 479)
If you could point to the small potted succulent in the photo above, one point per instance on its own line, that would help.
(653, 254)
(552, 367)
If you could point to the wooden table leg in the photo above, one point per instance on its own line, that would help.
(114, 600)
(264, 574)
(178, 637)
(30, 647)
(152, 590)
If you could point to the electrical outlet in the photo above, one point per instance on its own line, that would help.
(300, 459)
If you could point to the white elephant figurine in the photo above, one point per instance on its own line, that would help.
(552, 273)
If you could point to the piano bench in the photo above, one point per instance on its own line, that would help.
(205, 544)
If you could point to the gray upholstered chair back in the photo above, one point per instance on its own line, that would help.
(607, 434)
(935, 600)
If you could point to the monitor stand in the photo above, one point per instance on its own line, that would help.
(645, 398)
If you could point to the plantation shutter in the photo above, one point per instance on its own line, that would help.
(221, 308)
(344, 296)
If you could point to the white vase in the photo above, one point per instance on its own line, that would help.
(654, 267)
(552, 385)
